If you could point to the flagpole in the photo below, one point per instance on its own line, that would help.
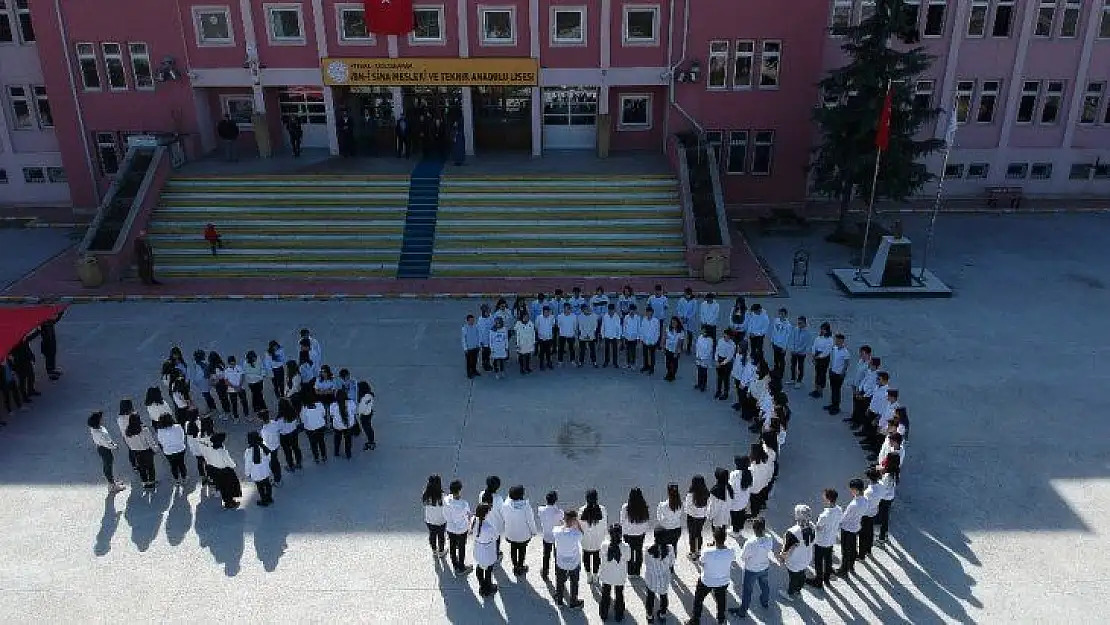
(949, 139)
(874, 188)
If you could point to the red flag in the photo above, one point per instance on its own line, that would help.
(389, 17)
(882, 134)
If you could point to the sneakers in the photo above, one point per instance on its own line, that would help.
(116, 487)
(785, 595)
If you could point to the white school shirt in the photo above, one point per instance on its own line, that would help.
(719, 510)
(762, 472)
(738, 369)
(740, 496)
(839, 360)
(288, 427)
(828, 526)
(593, 534)
(550, 518)
(859, 373)
(650, 330)
(568, 325)
(313, 418)
(757, 324)
(614, 572)
(687, 310)
(667, 518)
(871, 495)
(576, 303)
(853, 512)
(599, 304)
(703, 351)
(234, 376)
(352, 416)
(256, 471)
(433, 515)
(519, 520)
(888, 449)
(485, 324)
(158, 410)
(365, 405)
(545, 327)
(672, 339)
(457, 514)
(485, 543)
(657, 571)
(171, 439)
(179, 400)
(878, 403)
(101, 438)
(659, 305)
(499, 344)
(219, 459)
(694, 510)
(781, 330)
(198, 446)
(887, 414)
(709, 313)
(822, 346)
(889, 486)
(568, 547)
(587, 326)
(801, 555)
(726, 351)
(755, 555)
(253, 374)
(631, 327)
(868, 382)
(716, 566)
(611, 326)
(628, 528)
(624, 304)
(495, 510)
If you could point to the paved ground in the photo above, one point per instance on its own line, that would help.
(1002, 516)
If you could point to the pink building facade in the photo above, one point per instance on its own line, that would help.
(1029, 79)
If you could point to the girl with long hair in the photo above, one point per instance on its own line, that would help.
(104, 446)
(485, 535)
(292, 379)
(740, 479)
(289, 434)
(253, 375)
(343, 423)
(668, 514)
(720, 499)
(197, 442)
(657, 578)
(762, 473)
(156, 406)
(274, 360)
(200, 380)
(271, 438)
(142, 444)
(432, 499)
(217, 378)
(256, 466)
(696, 506)
(614, 573)
(366, 414)
(593, 518)
(315, 424)
(222, 469)
(635, 519)
(171, 437)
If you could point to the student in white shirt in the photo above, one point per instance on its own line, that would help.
(290, 434)
(839, 359)
(217, 379)
(669, 515)
(221, 467)
(716, 573)
(673, 338)
(709, 314)
(703, 358)
(576, 300)
(567, 323)
(256, 467)
(587, 331)
(871, 495)
(253, 375)
(615, 556)
(156, 406)
(141, 443)
(325, 386)
(887, 486)
(740, 479)
(725, 352)
(519, 526)
(850, 523)
(868, 378)
(799, 346)
(696, 506)
(630, 331)
(625, 301)
(635, 519)
(797, 551)
(271, 438)
(344, 420)
(611, 335)
(827, 530)
(456, 512)
(781, 329)
(485, 534)
(651, 334)
(104, 446)
(740, 363)
(197, 437)
(737, 319)
(314, 420)
(687, 311)
(525, 333)
(594, 523)
(365, 409)
(568, 558)
(472, 345)
(545, 334)
(274, 360)
(236, 387)
(720, 500)
(485, 324)
(499, 347)
(293, 386)
(755, 559)
(171, 438)
(822, 353)
(434, 517)
(756, 324)
(657, 577)
(551, 515)
(762, 473)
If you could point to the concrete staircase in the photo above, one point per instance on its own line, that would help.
(567, 225)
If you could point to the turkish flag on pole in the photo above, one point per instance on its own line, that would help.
(882, 134)
(389, 17)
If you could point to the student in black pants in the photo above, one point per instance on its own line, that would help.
(871, 495)
(850, 525)
(827, 527)
(838, 368)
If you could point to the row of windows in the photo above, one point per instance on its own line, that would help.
(1027, 171)
(29, 107)
(1055, 18)
(15, 22)
(108, 68)
(498, 25)
(1040, 101)
(747, 152)
(38, 175)
(740, 72)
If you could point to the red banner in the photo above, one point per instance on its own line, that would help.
(389, 17)
(882, 134)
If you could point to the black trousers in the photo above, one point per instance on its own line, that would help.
(258, 400)
(720, 597)
(797, 367)
(612, 352)
(649, 604)
(238, 397)
(25, 377)
(486, 363)
(703, 378)
(582, 347)
(797, 579)
(144, 459)
(738, 518)
(695, 526)
(343, 437)
(291, 445)
(50, 357)
(202, 470)
(457, 546)
(548, 548)
(265, 492)
(712, 332)
(472, 362)
(525, 362)
(517, 553)
(672, 364)
(866, 536)
(779, 354)
(820, 371)
(836, 383)
(546, 346)
(859, 409)
(757, 347)
(177, 465)
(317, 445)
(106, 463)
(275, 465)
(561, 577)
(848, 551)
(278, 381)
(436, 536)
(485, 580)
(630, 352)
(636, 560)
(607, 591)
(591, 560)
(12, 395)
(673, 538)
(221, 392)
(724, 374)
(649, 357)
(883, 518)
(566, 343)
(822, 563)
(368, 428)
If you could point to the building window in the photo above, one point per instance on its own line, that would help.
(737, 160)
(1092, 102)
(113, 66)
(1017, 171)
(988, 101)
(497, 25)
(285, 24)
(977, 18)
(713, 139)
(23, 16)
(213, 26)
(352, 24)
(34, 175)
(428, 25)
(21, 108)
(744, 67)
(953, 170)
(841, 18)
(763, 152)
(1104, 24)
(107, 152)
(6, 34)
(635, 112)
(90, 70)
(1003, 18)
(1069, 23)
(1102, 171)
(978, 171)
(911, 13)
(1053, 100)
(935, 18)
(923, 94)
(1041, 171)
(770, 60)
(964, 91)
(1080, 171)
(568, 25)
(56, 174)
(42, 107)
(641, 25)
(1027, 105)
(717, 75)
(3, 176)
(240, 108)
(866, 10)
(140, 66)
(1046, 15)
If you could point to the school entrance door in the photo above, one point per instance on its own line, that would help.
(307, 105)
(570, 118)
(436, 102)
(502, 118)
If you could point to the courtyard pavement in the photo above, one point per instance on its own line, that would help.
(1001, 516)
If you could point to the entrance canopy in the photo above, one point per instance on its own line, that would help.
(17, 323)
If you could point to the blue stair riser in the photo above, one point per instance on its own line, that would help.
(418, 243)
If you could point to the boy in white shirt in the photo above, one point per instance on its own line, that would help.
(587, 333)
(781, 330)
(485, 324)
(726, 351)
(716, 573)
(871, 495)
(756, 325)
(651, 333)
(687, 311)
(545, 336)
(709, 314)
(550, 517)
(457, 512)
(630, 331)
(659, 302)
(611, 333)
(568, 558)
(828, 526)
(850, 524)
(567, 323)
(235, 389)
(755, 559)
(703, 358)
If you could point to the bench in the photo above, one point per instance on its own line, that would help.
(783, 219)
(1006, 196)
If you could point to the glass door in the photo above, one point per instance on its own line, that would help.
(570, 118)
(502, 118)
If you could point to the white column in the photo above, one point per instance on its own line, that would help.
(392, 45)
(468, 119)
(1001, 155)
(329, 92)
(329, 113)
(537, 121)
(1082, 74)
(951, 61)
(606, 50)
(397, 94)
(537, 91)
(464, 37)
(250, 40)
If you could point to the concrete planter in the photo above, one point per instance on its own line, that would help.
(89, 271)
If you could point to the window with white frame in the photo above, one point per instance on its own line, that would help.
(770, 61)
(964, 90)
(56, 175)
(714, 138)
(427, 25)
(107, 152)
(113, 66)
(1017, 171)
(1003, 19)
(635, 111)
(213, 26)
(977, 18)
(1041, 171)
(1080, 171)
(988, 101)
(1046, 17)
(978, 171)
(34, 175)
(1069, 21)
(717, 76)
(42, 107)
(6, 33)
(911, 13)
(953, 170)
(866, 10)
(736, 161)
(90, 69)
(351, 22)
(140, 66)
(240, 108)
(841, 17)
(568, 25)
(641, 24)
(23, 18)
(498, 25)
(935, 18)
(763, 152)
(1092, 102)
(286, 24)
(743, 68)
(1104, 21)
(1027, 104)
(1053, 101)
(923, 94)
(20, 104)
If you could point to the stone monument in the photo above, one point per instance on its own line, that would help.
(892, 265)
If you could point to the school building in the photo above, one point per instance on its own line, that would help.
(79, 77)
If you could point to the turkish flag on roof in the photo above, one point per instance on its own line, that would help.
(389, 17)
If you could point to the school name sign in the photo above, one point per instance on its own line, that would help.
(511, 72)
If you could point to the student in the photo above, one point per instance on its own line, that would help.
(659, 302)
(877, 431)
(315, 424)
(740, 479)
(271, 438)
(651, 335)
(156, 406)
(217, 379)
(871, 496)
(587, 329)
(716, 573)
(485, 533)
(456, 511)
(434, 518)
(696, 506)
(306, 373)
(253, 374)
(877, 404)
(545, 334)
(274, 360)
(762, 473)
(293, 384)
(493, 484)
(888, 484)
(325, 386)
(634, 520)
(599, 303)
(485, 325)
(781, 330)
(850, 524)
(709, 313)
(756, 325)
(687, 311)
(822, 353)
(626, 301)
(726, 351)
(184, 409)
(499, 347)
(550, 517)
(577, 301)
(800, 344)
(703, 358)
(344, 423)
(104, 446)
(142, 445)
(630, 331)
(501, 311)
(657, 577)
(256, 467)
(594, 521)
(365, 410)
(222, 469)
(535, 309)
(611, 336)
(614, 574)
(236, 387)
(827, 528)
(893, 445)
(525, 332)
(568, 558)
(737, 318)
(519, 527)
(755, 559)
(315, 351)
(472, 345)
(199, 380)
(672, 342)
(669, 515)
(720, 500)
(171, 438)
(567, 324)
(797, 551)
(741, 365)
(838, 368)
(347, 384)
(861, 398)
(289, 434)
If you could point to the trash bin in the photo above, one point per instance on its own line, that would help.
(88, 270)
(714, 268)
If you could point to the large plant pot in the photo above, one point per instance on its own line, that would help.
(89, 272)
(714, 268)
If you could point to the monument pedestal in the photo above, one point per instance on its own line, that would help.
(891, 274)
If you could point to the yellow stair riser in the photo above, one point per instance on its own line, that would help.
(263, 203)
(386, 215)
(279, 273)
(283, 243)
(262, 228)
(200, 259)
(579, 244)
(507, 273)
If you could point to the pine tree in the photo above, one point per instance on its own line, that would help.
(853, 96)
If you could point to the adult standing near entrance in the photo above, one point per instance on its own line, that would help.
(458, 144)
(369, 131)
(228, 131)
(401, 134)
(144, 258)
(345, 132)
(296, 134)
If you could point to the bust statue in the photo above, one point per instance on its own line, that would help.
(896, 230)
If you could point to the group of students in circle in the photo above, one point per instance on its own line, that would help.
(309, 398)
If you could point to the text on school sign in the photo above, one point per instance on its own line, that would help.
(431, 72)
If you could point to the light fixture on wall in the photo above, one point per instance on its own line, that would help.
(168, 71)
(691, 73)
